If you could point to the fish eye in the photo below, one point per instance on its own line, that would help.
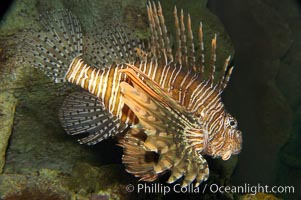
(232, 122)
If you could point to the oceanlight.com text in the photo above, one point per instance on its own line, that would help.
(158, 188)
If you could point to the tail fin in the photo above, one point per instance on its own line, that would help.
(52, 43)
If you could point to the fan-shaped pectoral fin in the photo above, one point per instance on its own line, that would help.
(143, 162)
(164, 131)
(83, 115)
(136, 159)
(191, 173)
(177, 172)
(202, 171)
(147, 111)
(153, 123)
(151, 88)
(193, 166)
(166, 160)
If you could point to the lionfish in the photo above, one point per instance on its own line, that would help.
(171, 110)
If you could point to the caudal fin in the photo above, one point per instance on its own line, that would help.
(52, 43)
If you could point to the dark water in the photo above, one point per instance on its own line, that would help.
(264, 95)
(265, 89)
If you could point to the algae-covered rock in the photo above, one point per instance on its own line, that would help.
(258, 196)
(20, 187)
(84, 182)
(94, 14)
(7, 111)
(108, 180)
(277, 117)
(18, 17)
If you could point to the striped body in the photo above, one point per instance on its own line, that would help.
(184, 87)
(197, 97)
(104, 84)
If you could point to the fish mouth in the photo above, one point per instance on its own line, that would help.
(231, 151)
(227, 155)
(238, 143)
(237, 151)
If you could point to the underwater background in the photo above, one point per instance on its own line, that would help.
(39, 161)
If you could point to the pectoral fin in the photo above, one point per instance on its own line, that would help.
(84, 115)
(164, 128)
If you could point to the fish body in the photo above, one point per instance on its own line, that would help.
(172, 112)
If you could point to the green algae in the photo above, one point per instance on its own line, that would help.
(18, 17)
(7, 110)
(81, 183)
(107, 180)
(258, 196)
(17, 186)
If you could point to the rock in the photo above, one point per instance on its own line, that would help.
(84, 182)
(277, 118)
(288, 76)
(2, 57)
(16, 186)
(135, 16)
(19, 17)
(7, 111)
(105, 12)
(258, 196)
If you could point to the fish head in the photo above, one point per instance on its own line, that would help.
(226, 139)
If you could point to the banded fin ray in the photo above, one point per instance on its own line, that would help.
(52, 42)
(153, 89)
(112, 43)
(83, 114)
(136, 159)
(161, 131)
(159, 40)
(184, 52)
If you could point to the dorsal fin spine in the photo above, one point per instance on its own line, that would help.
(154, 34)
(223, 74)
(161, 41)
(227, 78)
(202, 55)
(183, 39)
(212, 61)
(191, 57)
(178, 39)
(165, 36)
